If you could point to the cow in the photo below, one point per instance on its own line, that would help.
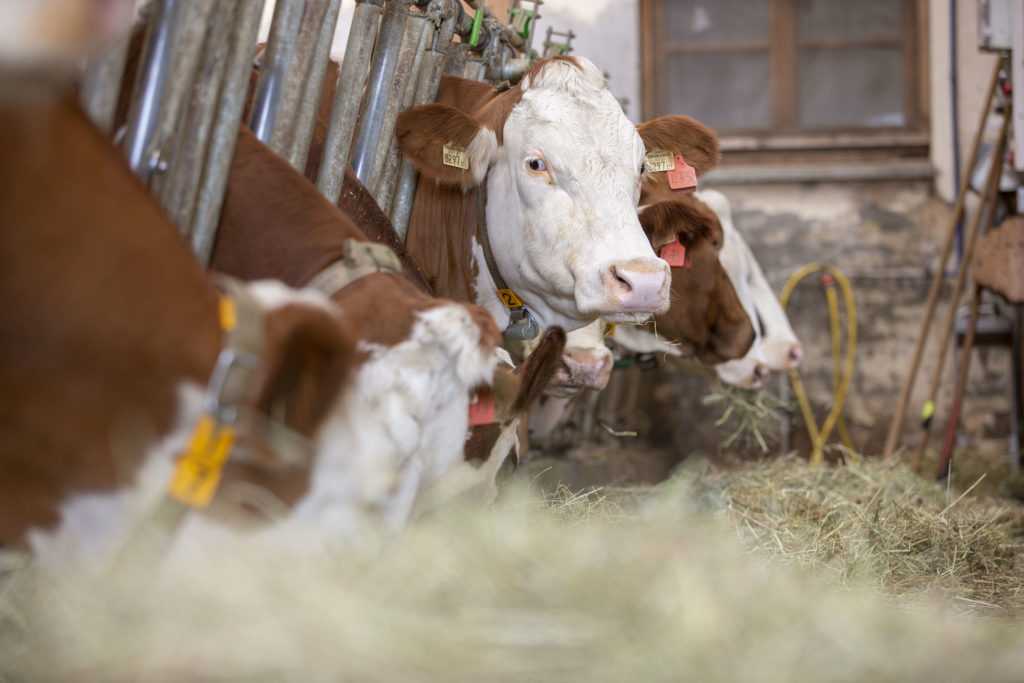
(421, 358)
(533, 190)
(778, 347)
(707, 320)
(116, 348)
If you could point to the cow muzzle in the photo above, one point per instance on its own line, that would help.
(581, 369)
(639, 286)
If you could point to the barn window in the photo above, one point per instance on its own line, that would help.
(790, 77)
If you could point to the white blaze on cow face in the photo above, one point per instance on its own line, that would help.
(561, 207)
(775, 346)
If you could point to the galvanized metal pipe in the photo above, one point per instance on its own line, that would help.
(361, 39)
(179, 188)
(237, 72)
(475, 70)
(456, 64)
(385, 189)
(415, 26)
(382, 72)
(313, 89)
(148, 93)
(101, 84)
(426, 92)
(289, 108)
(277, 62)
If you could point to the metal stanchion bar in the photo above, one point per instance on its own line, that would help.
(180, 186)
(276, 65)
(415, 27)
(225, 128)
(307, 40)
(313, 89)
(426, 91)
(393, 162)
(148, 94)
(382, 72)
(349, 94)
(101, 84)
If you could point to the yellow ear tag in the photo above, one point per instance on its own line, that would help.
(610, 330)
(228, 313)
(454, 155)
(200, 468)
(659, 160)
(509, 298)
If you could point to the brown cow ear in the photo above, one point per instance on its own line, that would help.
(539, 367)
(689, 138)
(446, 144)
(307, 360)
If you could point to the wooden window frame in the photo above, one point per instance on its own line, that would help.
(784, 133)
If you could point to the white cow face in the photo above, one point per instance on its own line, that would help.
(562, 200)
(562, 189)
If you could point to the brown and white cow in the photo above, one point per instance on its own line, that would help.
(562, 168)
(421, 357)
(776, 346)
(110, 333)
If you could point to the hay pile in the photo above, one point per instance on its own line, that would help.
(613, 586)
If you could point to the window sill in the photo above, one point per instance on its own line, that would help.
(827, 172)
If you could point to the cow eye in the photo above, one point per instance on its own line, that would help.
(536, 165)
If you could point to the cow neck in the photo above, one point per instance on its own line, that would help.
(521, 324)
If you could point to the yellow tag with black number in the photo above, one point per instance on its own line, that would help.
(454, 155)
(200, 468)
(509, 298)
(610, 330)
(659, 160)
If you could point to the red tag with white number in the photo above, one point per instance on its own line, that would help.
(481, 410)
(682, 178)
(675, 254)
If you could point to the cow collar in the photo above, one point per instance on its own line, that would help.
(521, 325)
(198, 470)
(360, 259)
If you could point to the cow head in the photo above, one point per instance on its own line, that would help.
(562, 167)
(706, 312)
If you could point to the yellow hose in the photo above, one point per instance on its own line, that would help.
(841, 381)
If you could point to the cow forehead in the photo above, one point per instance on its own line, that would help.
(571, 129)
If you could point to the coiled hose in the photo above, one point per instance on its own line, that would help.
(841, 380)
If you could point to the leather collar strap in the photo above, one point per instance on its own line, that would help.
(360, 259)
(521, 325)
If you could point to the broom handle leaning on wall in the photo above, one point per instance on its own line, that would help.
(937, 279)
(986, 208)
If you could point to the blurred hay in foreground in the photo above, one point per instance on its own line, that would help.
(627, 584)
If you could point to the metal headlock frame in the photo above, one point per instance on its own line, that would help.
(195, 69)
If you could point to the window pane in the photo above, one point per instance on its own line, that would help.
(716, 21)
(725, 91)
(849, 20)
(860, 87)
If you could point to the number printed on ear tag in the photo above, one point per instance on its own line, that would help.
(454, 155)
(659, 160)
(682, 178)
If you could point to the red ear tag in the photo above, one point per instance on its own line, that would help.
(675, 254)
(481, 410)
(682, 178)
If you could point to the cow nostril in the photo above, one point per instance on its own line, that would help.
(626, 284)
(760, 371)
(796, 355)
